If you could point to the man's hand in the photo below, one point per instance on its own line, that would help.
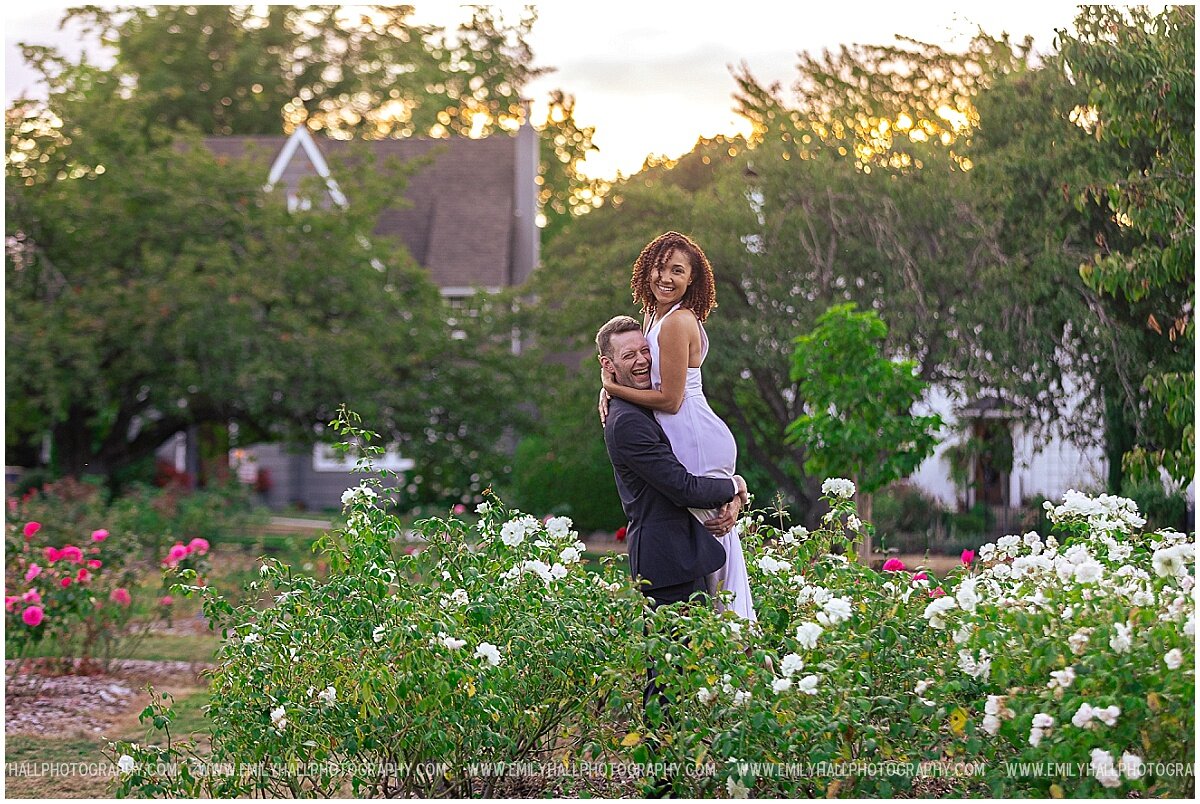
(602, 406)
(724, 521)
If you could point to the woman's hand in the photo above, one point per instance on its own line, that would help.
(602, 405)
(743, 493)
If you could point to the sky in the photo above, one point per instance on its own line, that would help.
(653, 77)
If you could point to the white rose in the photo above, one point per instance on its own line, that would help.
(807, 634)
(488, 651)
(126, 763)
(791, 664)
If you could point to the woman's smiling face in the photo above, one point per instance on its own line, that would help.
(670, 281)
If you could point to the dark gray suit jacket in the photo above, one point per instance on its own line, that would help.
(667, 545)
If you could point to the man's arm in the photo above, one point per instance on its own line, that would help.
(650, 457)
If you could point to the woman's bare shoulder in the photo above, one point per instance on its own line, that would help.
(681, 318)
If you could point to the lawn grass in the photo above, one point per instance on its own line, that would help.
(76, 767)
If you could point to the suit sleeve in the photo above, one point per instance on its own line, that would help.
(649, 456)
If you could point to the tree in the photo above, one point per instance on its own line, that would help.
(369, 73)
(1139, 72)
(366, 75)
(858, 420)
(149, 289)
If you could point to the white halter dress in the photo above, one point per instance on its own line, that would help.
(704, 445)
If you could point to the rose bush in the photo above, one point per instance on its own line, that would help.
(67, 592)
(489, 643)
(1043, 666)
(1050, 665)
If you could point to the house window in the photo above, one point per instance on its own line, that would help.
(327, 459)
(461, 308)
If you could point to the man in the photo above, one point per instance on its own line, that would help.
(672, 556)
(670, 552)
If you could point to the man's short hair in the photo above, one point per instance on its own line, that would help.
(615, 326)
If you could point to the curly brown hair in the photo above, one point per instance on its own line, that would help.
(701, 295)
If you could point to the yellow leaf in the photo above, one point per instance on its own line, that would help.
(1153, 701)
(566, 760)
(470, 688)
(832, 790)
(958, 720)
(632, 738)
(1056, 791)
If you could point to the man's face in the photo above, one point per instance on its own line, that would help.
(630, 361)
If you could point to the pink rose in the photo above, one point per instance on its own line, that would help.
(33, 571)
(459, 509)
(53, 554)
(166, 600)
(99, 535)
(937, 592)
(967, 556)
(83, 575)
(920, 576)
(32, 528)
(893, 565)
(71, 553)
(32, 596)
(120, 595)
(198, 546)
(32, 615)
(95, 563)
(177, 553)
(10, 601)
(64, 583)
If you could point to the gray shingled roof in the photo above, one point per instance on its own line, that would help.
(460, 222)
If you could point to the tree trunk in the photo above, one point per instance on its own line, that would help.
(1119, 437)
(213, 446)
(863, 545)
(71, 452)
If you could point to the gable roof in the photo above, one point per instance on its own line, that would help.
(459, 224)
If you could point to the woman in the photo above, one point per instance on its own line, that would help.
(673, 281)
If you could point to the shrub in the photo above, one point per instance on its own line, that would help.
(489, 643)
(67, 592)
(873, 674)
(492, 644)
(569, 479)
(1163, 509)
(905, 516)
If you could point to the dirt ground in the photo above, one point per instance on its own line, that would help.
(90, 702)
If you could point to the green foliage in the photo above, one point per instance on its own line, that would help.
(901, 507)
(482, 644)
(576, 481)
(251, 69)
(1163, 508)
(1139, 70)
(386, 662)
(125, 329)
(858, 421)
(371, 74)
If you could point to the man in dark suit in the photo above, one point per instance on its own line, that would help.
(670, 552)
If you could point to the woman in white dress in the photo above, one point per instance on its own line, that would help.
(673, 281)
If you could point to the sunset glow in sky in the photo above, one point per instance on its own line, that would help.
(652, 77)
